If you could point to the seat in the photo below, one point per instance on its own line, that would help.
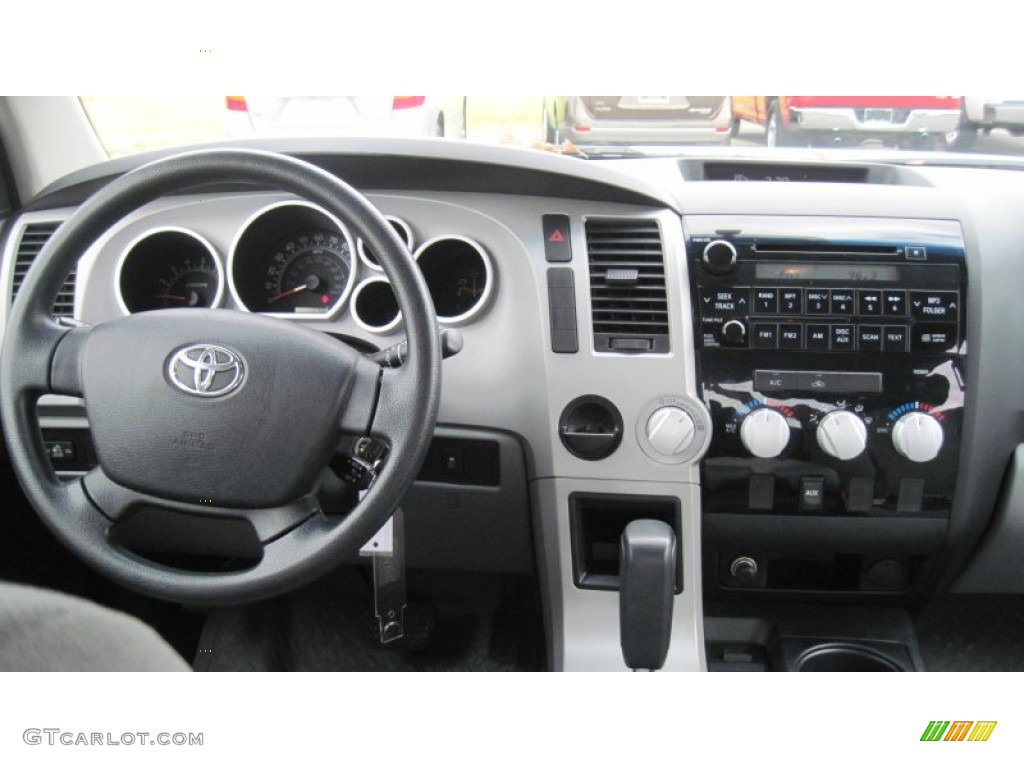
(44, 631)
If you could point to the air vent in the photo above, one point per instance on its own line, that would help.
(627, 285)
(33, 238)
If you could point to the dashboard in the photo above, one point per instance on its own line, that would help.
(809, 369)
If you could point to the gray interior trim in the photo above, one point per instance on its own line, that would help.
(997, 566)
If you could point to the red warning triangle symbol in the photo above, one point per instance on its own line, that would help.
(556, 237)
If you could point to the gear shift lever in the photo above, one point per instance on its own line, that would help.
(647, 574)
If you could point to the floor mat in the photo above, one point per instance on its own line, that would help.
(973, 633)
(453, 623)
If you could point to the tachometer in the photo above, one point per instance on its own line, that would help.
(169, 268)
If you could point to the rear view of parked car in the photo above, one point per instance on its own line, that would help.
(630, 120)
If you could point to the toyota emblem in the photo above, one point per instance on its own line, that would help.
(206, 370)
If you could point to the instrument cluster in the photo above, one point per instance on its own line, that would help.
(293, 259)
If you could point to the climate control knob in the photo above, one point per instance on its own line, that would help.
(765, 433)
(670, 430)
(917, 436)
(842, 435)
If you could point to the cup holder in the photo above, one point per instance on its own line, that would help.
(844, 657)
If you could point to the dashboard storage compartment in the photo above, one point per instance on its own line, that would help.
(597, 522)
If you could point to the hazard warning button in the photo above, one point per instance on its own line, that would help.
(557, 246)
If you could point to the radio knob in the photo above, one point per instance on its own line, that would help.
(842, 435)
(734, 332)
(917, 436)
(765, 433)
(670, 430)
(719, 257)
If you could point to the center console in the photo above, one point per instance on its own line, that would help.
(830, 354)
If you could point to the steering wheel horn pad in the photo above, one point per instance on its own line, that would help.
(153, 435)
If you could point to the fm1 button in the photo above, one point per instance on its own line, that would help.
(812, 494)
(766, 336)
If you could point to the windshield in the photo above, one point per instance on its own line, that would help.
(583, 126)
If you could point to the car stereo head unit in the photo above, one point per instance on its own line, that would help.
(837, 293)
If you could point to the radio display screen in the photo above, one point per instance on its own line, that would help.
(850, 273)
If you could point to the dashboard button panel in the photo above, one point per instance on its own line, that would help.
(816, 328)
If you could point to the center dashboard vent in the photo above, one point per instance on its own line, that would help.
(627, 286)
(33, 238)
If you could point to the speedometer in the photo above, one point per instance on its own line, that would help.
(293, 259)
(307, 274)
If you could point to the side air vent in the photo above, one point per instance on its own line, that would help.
(627, 285)
(33, 238)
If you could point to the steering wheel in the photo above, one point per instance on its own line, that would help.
(216, 413)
